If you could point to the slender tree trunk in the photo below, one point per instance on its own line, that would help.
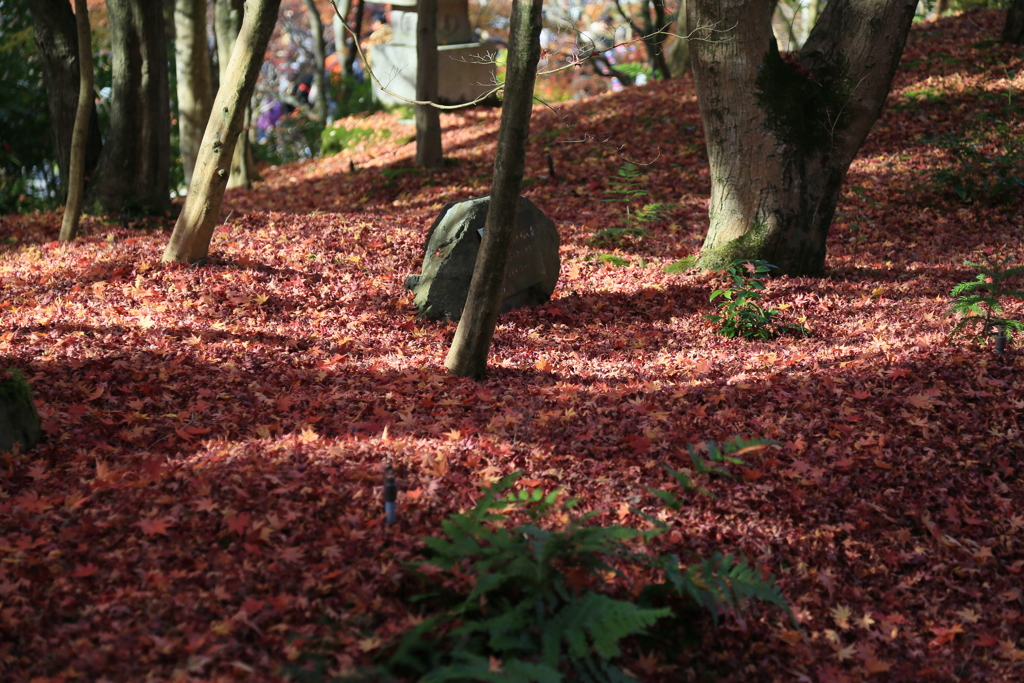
(941, 7)
(316, 30)
(1013, 30)
(350, 56)
(678, 57)
(428, 119)
(468, 354)
(190, 241)
(195, 83)
(228, 17)
(133, 171)
(338, 25)
(56, 40)
(80, 135)
(781, 135)
(652, 33)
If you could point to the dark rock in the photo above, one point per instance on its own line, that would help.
(450, 255)
(19, 421)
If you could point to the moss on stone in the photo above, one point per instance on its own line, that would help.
(14, 388)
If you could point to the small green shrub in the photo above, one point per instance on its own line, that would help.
(741, 315)
(981, 177)
(535, 606)
(336, 138)
(626, 189)
(979, 302)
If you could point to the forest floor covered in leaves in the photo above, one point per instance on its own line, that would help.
(207, 504)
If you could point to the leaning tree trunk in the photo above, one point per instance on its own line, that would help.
(468, 354)
(316, 30)
(80, 135)
(53, 25)
(780, 133)
(133, 172)
(428, 118)
(195, 80)
(1013, 30)
(190, 241)
(228, 17)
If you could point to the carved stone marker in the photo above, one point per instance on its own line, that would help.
(450, 255)
(465, 67)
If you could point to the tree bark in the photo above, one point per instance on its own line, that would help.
(781, 135)
(350, 56)
(56, 40)
(678, 51)
(316, 30)
(190, 241)
(467, 356)
(133, 171)
(428, 118)
(1013, 30)
(228, 17)
(80, 134)
(195, 82)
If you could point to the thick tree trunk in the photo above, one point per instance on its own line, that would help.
(468, 354)
(80, 134)
(1013, 30)
(316, 30)
(56, 40)
(133, 172)
(190, 241)
(428, 119)
(781, 134)
(228, 16)
(195, 82)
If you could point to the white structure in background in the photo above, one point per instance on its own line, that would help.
(465, 67)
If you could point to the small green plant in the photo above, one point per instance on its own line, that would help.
(627, 188)
(728, 452)
(979, 302)
(742, 315)
(333, 139)
(536, 610)
(990, 177)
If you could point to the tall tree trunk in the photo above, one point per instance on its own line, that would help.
(80, 134)
(190, 241)
(228, 17)
(133, 171)
(53, 24)
(467, 356)
(316, 30)
(1013, 30)
(678, 57)
(195, 83)
(428, 119)
(941, 7)
(652, 33)
(338, 20)
(350, 56)
(781, 135)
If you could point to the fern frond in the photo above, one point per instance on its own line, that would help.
(604, 619)
(724, 584)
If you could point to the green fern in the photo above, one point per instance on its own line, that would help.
(626, 188)
(979, 301)
(532, 612)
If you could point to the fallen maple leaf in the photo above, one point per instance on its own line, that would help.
(841, 615)
(155, 525)
(239, 523)
(873, 665)
(845, 653)
(85, 570)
